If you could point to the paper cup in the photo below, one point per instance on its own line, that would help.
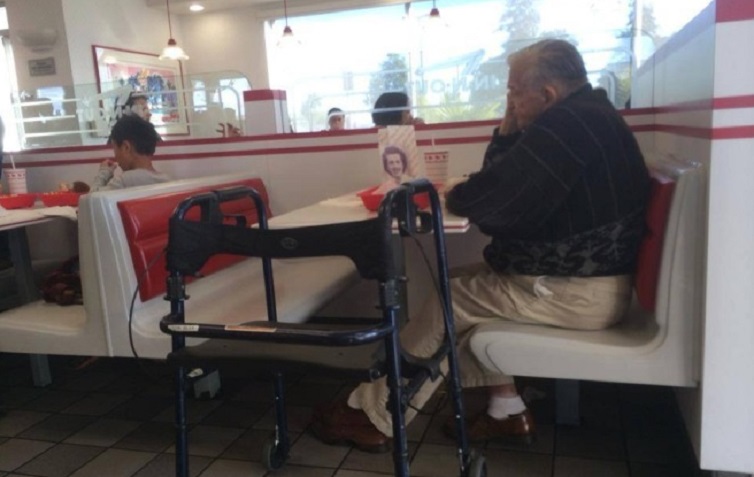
(16, 181)
(436, 166)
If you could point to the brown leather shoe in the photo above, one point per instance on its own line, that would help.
(339, 424)
(517, 429)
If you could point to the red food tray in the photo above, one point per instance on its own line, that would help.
(17, 201)
(52, 199)
(372, 201)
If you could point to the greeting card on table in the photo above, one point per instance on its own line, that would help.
(399, 156)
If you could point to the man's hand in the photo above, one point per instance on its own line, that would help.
(452, 182)
(508, 125)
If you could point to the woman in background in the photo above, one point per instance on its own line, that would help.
(393, 109)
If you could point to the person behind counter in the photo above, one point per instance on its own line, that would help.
(393, 109)
(138, 104)
(336, 119)
(134, 141)
(562, 194)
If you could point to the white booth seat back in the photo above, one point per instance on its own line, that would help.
(645, 348)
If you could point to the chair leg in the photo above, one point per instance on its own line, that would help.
(567, 402)
(181, 437)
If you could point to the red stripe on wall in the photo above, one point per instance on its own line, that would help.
(726, 102)
(737, 132)
(264, 95)
(369, 140)
(699, 105)
(66, 162)
(266, 151)
(731, 102)
(454, 140)
(734, 10)
(687, 131)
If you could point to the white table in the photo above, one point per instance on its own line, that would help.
(348, 208)
(14, 223)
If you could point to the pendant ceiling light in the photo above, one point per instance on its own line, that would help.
(287, 39)
(434, 14)
(172, 51)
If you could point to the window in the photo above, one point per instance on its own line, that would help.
(455, 69)
(3, 16)
(217, 99)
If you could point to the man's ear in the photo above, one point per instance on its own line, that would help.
(552, 94)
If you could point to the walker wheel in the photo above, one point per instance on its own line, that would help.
(272, 455)
(478, 465)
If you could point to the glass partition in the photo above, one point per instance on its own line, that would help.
(195, 106)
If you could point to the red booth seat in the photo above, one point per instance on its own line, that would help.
(145, 221)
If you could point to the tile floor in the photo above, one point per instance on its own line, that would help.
(114, 419)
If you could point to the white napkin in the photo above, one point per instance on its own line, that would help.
(350, 200)
(65, 211)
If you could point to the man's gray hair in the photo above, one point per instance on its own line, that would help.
(553, 61)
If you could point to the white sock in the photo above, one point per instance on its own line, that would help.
(502, 407)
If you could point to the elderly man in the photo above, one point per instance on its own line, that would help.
(562, 193)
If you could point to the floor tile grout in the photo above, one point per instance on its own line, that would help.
(145, 403)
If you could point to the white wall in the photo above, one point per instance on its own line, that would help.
(33, 16)
(703, 88)
(226, 40)
(728, 394)
(727, 399)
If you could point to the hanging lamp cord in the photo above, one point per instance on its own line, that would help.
(170, 27)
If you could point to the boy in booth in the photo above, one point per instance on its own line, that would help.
(134, 141)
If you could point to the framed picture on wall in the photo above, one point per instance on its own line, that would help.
(120, 72)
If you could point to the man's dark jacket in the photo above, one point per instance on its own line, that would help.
(565, 197)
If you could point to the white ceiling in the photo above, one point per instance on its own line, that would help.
(181, 6)
(270, 7)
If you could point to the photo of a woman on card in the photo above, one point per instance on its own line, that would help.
(395, 163)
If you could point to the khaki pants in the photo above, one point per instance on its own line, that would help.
(481, 295)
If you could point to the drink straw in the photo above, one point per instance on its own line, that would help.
(12, 162)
